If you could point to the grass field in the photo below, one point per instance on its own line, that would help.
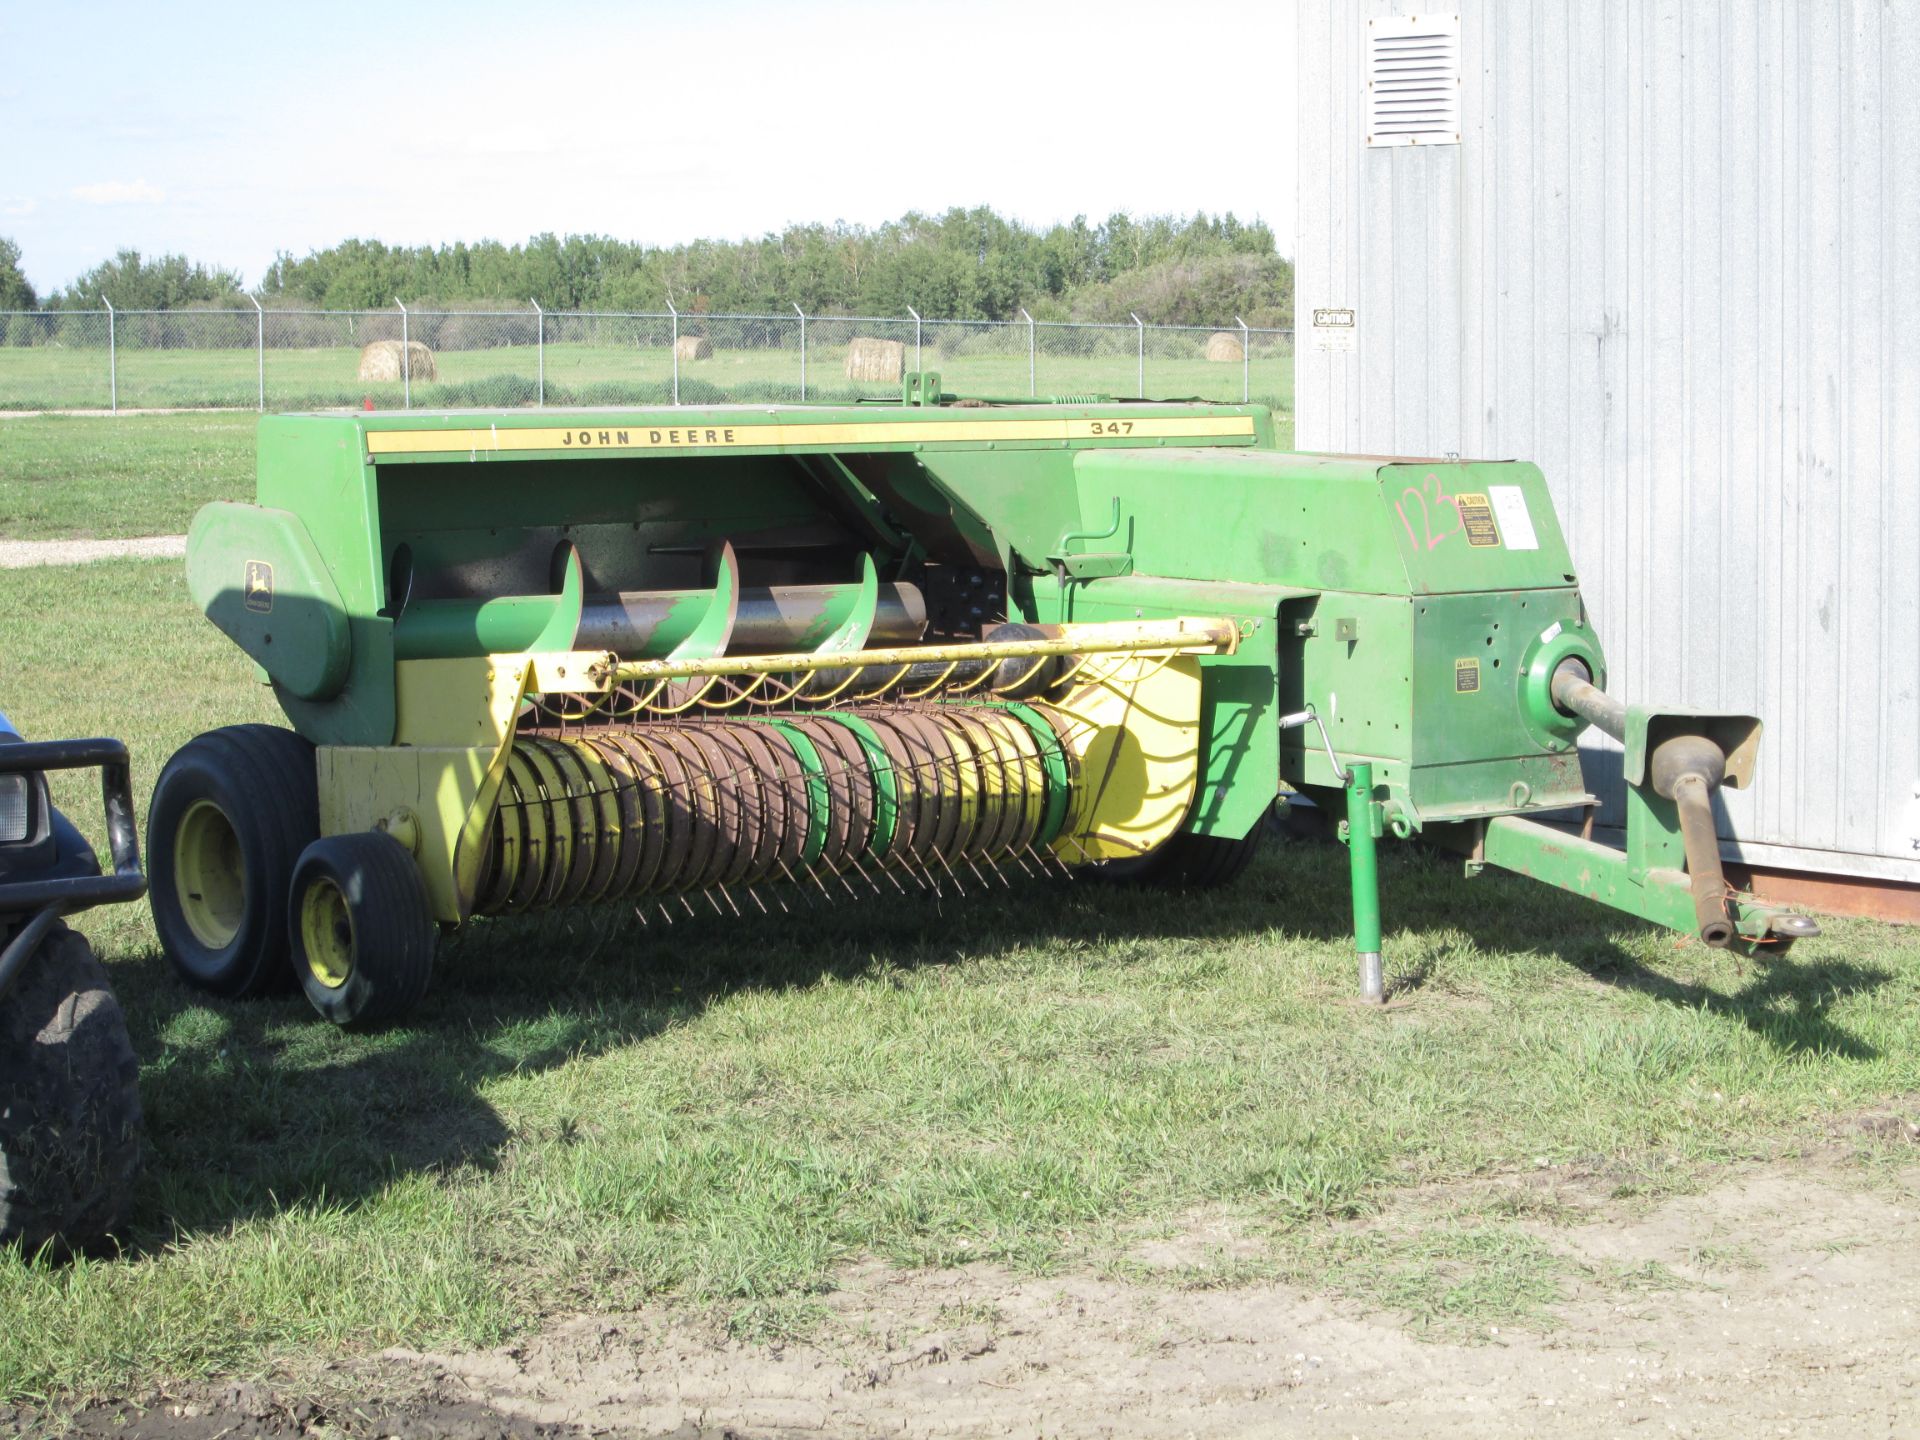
(588, 1112)
(66, 476)
(56, 378)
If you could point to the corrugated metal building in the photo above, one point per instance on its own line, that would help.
(1674, 259)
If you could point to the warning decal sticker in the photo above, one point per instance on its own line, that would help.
(1466, 677)
(1476, 513)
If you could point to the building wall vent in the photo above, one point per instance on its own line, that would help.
(1413, 80)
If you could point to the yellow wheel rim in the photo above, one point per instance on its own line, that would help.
(326, 933)
(209, 874)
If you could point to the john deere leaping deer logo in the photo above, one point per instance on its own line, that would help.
(259, 586)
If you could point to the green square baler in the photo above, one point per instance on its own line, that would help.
(546, 658)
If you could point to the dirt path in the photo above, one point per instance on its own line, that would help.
(26, 554)
(1788, 1307)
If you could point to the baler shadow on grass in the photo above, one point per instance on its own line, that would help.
(255, 1106)
(1783, 1000)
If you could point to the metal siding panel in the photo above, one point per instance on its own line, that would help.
(1591, 327)
(1656, 665)
(1314, 245)
(1898, 753)
(1508, 137)
(1737, 510)
(1620, 75)
(1439, 423)
(1373, 295)
(1677, 262)
(1477, 115)
(1552, 328)
(1326, 145)
(1814, 482)
(1740, 503)
(1403, 368)
(1705, 362)
(1779, 282)
(1862, 308)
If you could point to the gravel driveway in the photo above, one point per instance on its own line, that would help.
(25, 554)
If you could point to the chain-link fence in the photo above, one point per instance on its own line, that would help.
(264, 358)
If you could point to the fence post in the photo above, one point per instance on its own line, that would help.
(406, 358)
(1033, 388)
(916, 336)
(260, 349)
(1246, 362)
(540, 354)
(113, 361)
(1140, 380)
(676, 349)
(803, 349)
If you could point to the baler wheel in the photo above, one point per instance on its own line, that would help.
(362, 929)
(1189, 862)
(230, 815)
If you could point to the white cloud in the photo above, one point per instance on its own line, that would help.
(119, 192)
(19, 207)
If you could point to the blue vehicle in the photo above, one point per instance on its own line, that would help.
(69, 1102)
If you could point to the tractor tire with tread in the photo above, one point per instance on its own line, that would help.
(361, 928)
(230, 815)
(69, 1101)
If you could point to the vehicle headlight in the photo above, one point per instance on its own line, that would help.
(16, 809)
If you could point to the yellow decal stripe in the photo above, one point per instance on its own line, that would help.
(744, 435)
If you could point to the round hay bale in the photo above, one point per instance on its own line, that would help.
(881, 361)
(1223, 347)
(693, 347)
(382, 361)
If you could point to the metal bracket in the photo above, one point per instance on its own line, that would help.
(920, 387)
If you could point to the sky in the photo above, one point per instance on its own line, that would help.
(230, 132)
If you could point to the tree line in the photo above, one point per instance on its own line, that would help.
(964, 264)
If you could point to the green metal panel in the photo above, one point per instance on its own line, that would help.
(1245, 515)
(1474, 525)
(315, 469)
(256, 573)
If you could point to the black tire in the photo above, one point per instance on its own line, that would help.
(229, 817)
(69, 1102)
(361, 928)
(1188, 862)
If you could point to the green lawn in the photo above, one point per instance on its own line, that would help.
(53, 377)
(63, 476)
(588, 1112)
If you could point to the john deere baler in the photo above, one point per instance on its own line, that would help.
(682, 658)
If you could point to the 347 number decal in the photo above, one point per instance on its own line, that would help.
(1111, 427)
